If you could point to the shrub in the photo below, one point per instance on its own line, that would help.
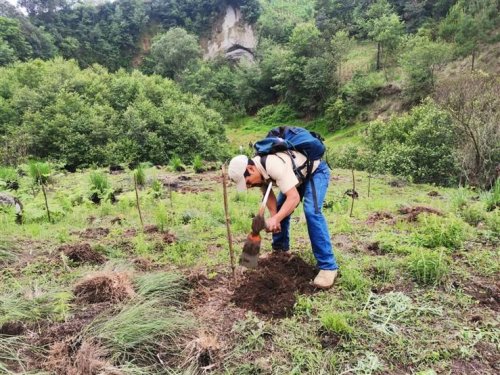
(275, 114)
(472, 215)
(362, 88)
(435, 231)
(339, 113)
(335, 322)
(428, 267)
(419, 145)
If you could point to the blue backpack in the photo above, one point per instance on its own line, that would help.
(288, 138)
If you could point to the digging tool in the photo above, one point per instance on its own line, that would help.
(251, 248)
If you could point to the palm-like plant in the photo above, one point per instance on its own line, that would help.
(40, 174)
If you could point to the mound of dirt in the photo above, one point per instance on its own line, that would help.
(271, 289)
(411, 213)
(380, 216)
(94, 233)
(103, 287)
(169, 238)
(82, 253)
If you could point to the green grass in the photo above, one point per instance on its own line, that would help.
(428, 267)
(335, 322)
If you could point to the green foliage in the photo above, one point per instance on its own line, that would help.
(84, 117)
(420, 60)
(100, 188)
(13, 43)
(353, 280)
(419, 145)
(492, 198)
(275, 114)
(428, 267)
(9, 178)
(157, 188)
(176, 164)
(198, 164)
(173, 51)
(336, 322)
(339, 113)
(39, 172)
(435, 231)
(140, 176)
(279, 18)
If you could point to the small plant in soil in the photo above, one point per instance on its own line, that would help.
(492, 197)
(176, 164)
(40, 174)
(198, 164)
(157, 189)
(139, 182)
(428, 267)
(100, 188)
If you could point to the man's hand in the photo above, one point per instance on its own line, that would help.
(273, 225)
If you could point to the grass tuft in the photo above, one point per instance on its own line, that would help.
(170, 288)
(336, 322)
(428, 267)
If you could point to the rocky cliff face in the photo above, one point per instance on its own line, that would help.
(231, 37)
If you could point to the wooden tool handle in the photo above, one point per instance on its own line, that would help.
(264, 200)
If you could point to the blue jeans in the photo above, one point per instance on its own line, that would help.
(316, 222)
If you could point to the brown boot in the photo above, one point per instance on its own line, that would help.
(325, 279)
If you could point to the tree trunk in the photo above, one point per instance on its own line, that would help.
(137, 202)
(46, 202)
(228, 221)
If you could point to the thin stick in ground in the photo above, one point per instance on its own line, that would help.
(228, 221)
(353, 192)
(137, 201)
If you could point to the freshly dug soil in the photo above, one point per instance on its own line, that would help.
(380, 216)
(103, 287)
(411, 213)
(82, 253)
(94, 233)
(271, 289)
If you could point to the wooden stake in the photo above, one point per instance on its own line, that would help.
(228, 221)
(137, 201)
(353, 191)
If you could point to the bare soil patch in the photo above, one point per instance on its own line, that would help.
(12, 329)
(94, 233)
(82, 253)
(383, 216)
(169, 238)
(486, 292)
(270, 289)
(104, 287)
(328, 340)
(410, 214)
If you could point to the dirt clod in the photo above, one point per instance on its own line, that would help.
(433, 193)
(82, 253)
(103, 287)
(380, 216)
(150, 229)
(169, 238)
(12, 329)
(271, 289)
(94, 233)
(411, 213)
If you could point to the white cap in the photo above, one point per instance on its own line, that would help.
(236, 169)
